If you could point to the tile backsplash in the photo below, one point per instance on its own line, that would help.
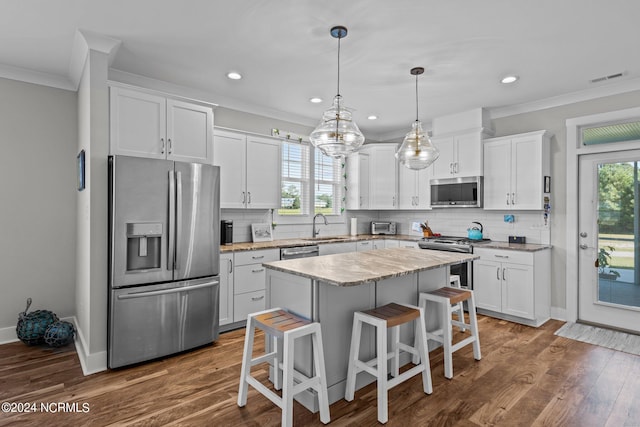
(450, 221)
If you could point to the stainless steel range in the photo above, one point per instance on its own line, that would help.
(454, 244)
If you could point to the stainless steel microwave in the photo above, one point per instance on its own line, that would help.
(463, 192)
(379, 227)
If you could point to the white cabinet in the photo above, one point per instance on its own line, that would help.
(391, 243)
(515, 168)
(145, 124)
(364, 245)
(249, 281)
(357, 181)
(226, 289)
(383, 176)
(249, 170)
(408, 244)
(460, 155)
(337, 248)
(513, 283)
(414, 189)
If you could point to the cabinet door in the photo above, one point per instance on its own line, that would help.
(357, 181)
(363, 188)
(517, 290)
(526, 176)
(487, 284)
(383, 177)
(137, 124)
(423, 195)
(408, 184)
(468, 155)
(226, 289)
(443, 167)
(366, 245)
(229, 152)
(497, 174)
(189, 132)
(263, 173)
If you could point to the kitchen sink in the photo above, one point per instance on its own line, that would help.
(325, 239)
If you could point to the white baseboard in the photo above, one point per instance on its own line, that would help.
(91, 362)
(558, 313)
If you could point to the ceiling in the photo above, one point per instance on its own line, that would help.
(286, 55)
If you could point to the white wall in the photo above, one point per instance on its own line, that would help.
(37, 195)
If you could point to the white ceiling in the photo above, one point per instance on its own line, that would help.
(286, 55)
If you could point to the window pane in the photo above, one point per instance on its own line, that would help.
(618, 132)
(328, 184)
(295, 179)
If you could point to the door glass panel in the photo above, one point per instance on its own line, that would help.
(618, 281)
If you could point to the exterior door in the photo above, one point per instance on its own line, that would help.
(608, 282)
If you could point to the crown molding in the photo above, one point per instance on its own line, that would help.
(36, 77)
(83, 42)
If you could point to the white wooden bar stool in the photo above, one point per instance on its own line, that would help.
(388, 316)
(458, 308)
(280, 324)
(446, 297)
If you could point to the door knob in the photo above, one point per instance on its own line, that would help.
(583, 234)
(583, 246)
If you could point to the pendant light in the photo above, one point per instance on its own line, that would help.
(337, 134)
(417, 151)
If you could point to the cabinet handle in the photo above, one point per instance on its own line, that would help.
(244, 198)
(170, 145)
(230, 266)
(498, 273)
(501, 256)
(451, 168)
(249, 194)
(162, 142)
(259, 270)
(503, 270)
(513, 198)
(417, 201)
(360, 200)
(455, 167)
(257, 298)
(393, 201)
(507, 198)
(257, 257)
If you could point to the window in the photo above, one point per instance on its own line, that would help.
(295, 179)
(617, 132)
(303, 194)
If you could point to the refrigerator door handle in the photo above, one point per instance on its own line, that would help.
(168, 291)
(172, 221)
(178, 217)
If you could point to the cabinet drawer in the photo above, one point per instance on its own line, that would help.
(367, 245)
(249, 278)
(498, 255)
(248, 303)
(256, 257)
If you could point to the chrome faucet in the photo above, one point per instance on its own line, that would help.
(315, 230)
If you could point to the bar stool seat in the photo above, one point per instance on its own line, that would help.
(389, 316)
(282, 325)
(447, 297)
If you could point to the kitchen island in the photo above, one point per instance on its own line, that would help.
(329, 289)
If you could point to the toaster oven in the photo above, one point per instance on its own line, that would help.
(380, 227)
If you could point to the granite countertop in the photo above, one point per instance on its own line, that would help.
(356, 268)
(289, 243)
(525, 247)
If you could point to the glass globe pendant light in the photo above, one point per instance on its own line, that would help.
(417, 151)
(337, 134)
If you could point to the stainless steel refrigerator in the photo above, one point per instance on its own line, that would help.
(164, 227)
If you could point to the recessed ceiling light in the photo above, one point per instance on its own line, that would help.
(372, 117)
(234, 76)
(315, 100)
(509, 79)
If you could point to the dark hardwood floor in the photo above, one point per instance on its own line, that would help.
(527, 377)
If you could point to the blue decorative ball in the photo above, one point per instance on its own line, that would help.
(59, 333)
(32, 326)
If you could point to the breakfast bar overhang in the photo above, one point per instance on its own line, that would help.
(329, 289)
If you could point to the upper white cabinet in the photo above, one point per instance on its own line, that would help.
(383, 176)
(145, 124)
(414, 191)
(460, 155)
(249, 170)
(515, 168)
(358, 181)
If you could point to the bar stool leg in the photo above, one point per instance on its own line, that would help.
(287, 379)
(395, 343)
(381, 355)
(421, 345)
(353, 357)
(246, 362)
(474, 327)
(318, 360)
(446, 337)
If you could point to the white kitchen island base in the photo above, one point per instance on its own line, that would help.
(333, 306)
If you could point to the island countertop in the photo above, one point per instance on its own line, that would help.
(356, 268)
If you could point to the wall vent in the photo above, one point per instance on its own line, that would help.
(605, 78)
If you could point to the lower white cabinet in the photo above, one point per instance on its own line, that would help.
(226, 289)
(249, 281)
(513, 284)
(337, 248)
(364, 245)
